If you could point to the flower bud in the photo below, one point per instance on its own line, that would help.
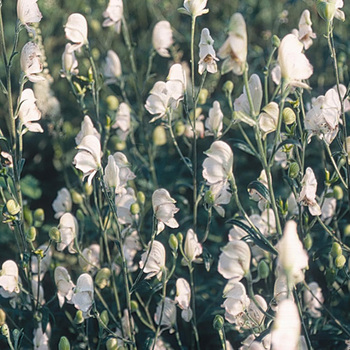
(288, 115)
(340, 261)
(202, 97)
(55, 234)
(39, 217)
(31, 234)
(293, 170)
(180, 238)
(102, 277)
(79, 318)
(77, 198)
(80, 215)
(135, 208)
(218, 323)
(275, 41)
(263, 269)
(228, 87)
(13, 207)
(307, 241)
(64, 344)
(5, 330)
(173, 242)
(347, 230)
(159, 136)
(2, 317)
(179, 128)
(28, 216)
(104, 317)
(112, 344)
(336, 250)
(326, 9)
(338, 192)
(112, 102)
(141, 198)
(134, 305)
(88, 189)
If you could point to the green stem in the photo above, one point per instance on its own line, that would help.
(193, 302)
(335, 165)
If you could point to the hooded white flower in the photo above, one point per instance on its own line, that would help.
(241, 104)
(281, 291)
(193, 249)
(305, 33)
(92, 255)
(183, 298)
(62, 203)
(294, 65)
(122, 121)
(214, 122)
(64, 285)
(286, 327)
(312, 304)
(307, 195)
(207, 55)
(76, 30)
(125, 173)
(123, 202)
(220, 194)
(113, 15)
(9, 279)
(111, 175)
(28, 12)
(112, 69)
(28, 112)
(130, 247)
(234, 261)
(69, 62)
(234, 50)
(155, 263)
(83, 294)
(31, 64)
(164, 209)
(168, 317)
(41, 340)
(69, 229)
(194, 8)
(328, 209)
(87, 128)
(292, 257)
(88, 158)
(268, 118)
(162, 38)
(330, 9)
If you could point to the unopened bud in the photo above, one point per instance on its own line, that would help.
(64, 344)
(55, 234)
(340, 261)
(275, 41)
(104, 317)
(135, 208)
(288, 115)
(112, 344)
(293, 170)
(39, 217)
(2, 317)
(326, 9)
(13, 207)
(218, 323)
(228, 87)
(31, 234)
(338, 192)
(263, 269)
(134, 305)
(307, 241)
(173, 242)
(5, 330)
(112, 102)
(88, 189)
(80, 215)
(77, 198)
(28, 216)
(179, 128)
(347, 230)
(102, 277)
(141, 198)
(159, 136)
(202, 97)
(180, 238)
(79, 318)
(336, 249)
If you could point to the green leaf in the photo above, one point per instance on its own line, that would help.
(261, 189)
(30, 187)
(243, 146)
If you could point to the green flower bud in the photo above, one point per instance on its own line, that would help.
(5, 330)
(263, 269)
(307, 242)
(95, 25)
(202, 97)
(112, 102)
(293, 170)
(77, 198)
(326, 9)
(88, 189)
(64, 344)
(340, 261)
(112, 344)
(228, 87)
(2, 317)
(338, 192)
(347, 230)
(38, 316)
(80, 215)
(79, 318)
(275, 41)
(180, 238)
(288, 115)
(141, 198)
(336, 249)
(179, 128)
(159, 136)
(135, 208)
(28, 216)
(102, 277)
(31, 234)
(13, 208)
(218, 323)
(104, 317)
(39, 217)
(134, 305)
(173, 242)
(95, 53)
(55, 234)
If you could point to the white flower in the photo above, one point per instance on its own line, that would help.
(41, 340)
(113, 15)
(9, 279)
(62, 203)
(112, 69)
(166, 318)
(183, 298)
(234, 261)
(87, 128)
(214, 122)
(45, 262)
(241, 104)
(217, 168)
(193, 249)
(69, 229)
(88, 158)
(125, 173)
(155, 263)
(111, 175)
(292, 257)
(329, 9)
(37, 293)
(83, 294)
(207, 55)
(28, 112)
(268, 119)
(28, 12)
(31, 63)
(76, 30)
(162, 38)
(122, 121)
(69, 62)
(286, 327)
(64, 285)
(305, 33)
(234, 49)
(130, 247)
(294, 65)
(328, 209)
(307, 195)
(313, 304)
(281, 291)
(220, 194)
(123, 202)
(164, 209)
(194, 8)
(90, 258)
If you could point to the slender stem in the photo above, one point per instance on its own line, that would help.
(266, 74)
(335, 165)
(193, 302)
